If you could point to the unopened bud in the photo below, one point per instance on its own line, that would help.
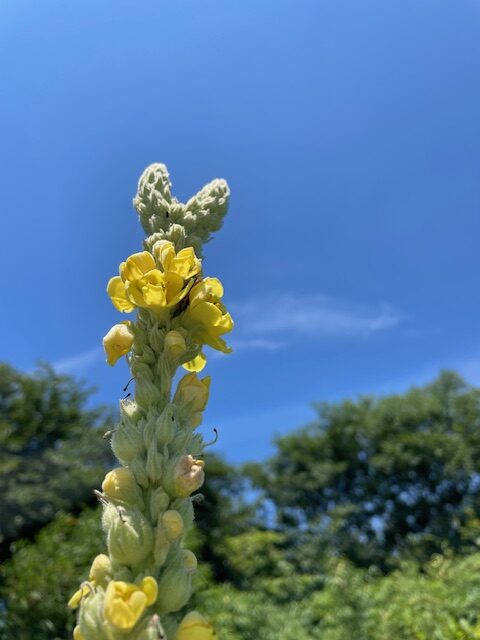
(129, 536)
(175, 345)
(173, 523)
(175, 586)
(101, 569)
(189, 560)
(121, 487)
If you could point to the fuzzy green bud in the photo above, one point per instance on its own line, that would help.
(129, 536)
(159, 501)
(175, 585)
(90, 619)
(127, 442)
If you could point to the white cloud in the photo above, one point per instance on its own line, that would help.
(78, 363)
(315, 315)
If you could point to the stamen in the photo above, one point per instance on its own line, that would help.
(126, 386)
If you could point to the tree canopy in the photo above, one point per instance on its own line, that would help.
(51, 450)
(380, 479)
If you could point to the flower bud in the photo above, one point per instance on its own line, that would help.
(101, 569)
(188, 475)
(161, 547)
(137, 467)
(175, 586)
(159, 501)
(90, 619)
(173, 524)
(175, 345)
(185, 509)
(120, 486)
(127, 440)
(195, 627)
(129, 536)
(77, 634)
(190, 561)
(192, 396)
(118, 342)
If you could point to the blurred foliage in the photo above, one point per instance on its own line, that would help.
(440, 602)
(374, 485)
(51, 450)
(40, 577)
(380, 480)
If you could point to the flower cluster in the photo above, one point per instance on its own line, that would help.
(160, 281)
(136, 591)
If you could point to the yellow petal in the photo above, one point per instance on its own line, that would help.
(117, 292)
(197, 364)
(207, 289)
(77, 597)
(165, 253)
(186, 263)
(118, 342)
(150, 589)
(154, 295)
(137, 265)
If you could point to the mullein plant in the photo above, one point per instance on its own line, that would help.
(134, 590)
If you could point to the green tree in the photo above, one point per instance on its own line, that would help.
(51, 451)
(39, 578)
(379, 479)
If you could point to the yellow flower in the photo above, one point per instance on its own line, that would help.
(118, 342)
(141, 284)
(184, 263)
(125, 602)
(195, 627)
(206, 316)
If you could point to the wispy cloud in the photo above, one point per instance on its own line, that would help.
(78, 363)
(286, 316)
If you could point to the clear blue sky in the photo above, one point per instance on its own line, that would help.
(349, 132)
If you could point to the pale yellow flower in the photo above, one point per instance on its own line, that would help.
(125, 602)
(206, 316)
(195, 627)
(188, 475)
(118, 342)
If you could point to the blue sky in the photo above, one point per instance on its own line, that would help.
(349, 133)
